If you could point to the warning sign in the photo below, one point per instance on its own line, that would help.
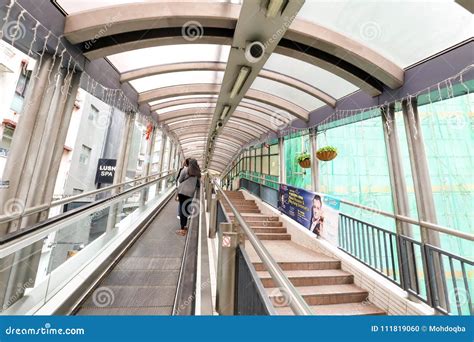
(226, 241)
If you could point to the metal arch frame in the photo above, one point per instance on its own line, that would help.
(199, 134)
(220, 66)
(235, 124)
(207, 88)
(237, 130)
(243, 104)
(196, 111)
(219, 153)
(203, 116)
(223, 148)
(141, 17)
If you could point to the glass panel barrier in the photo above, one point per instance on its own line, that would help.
(36, 268)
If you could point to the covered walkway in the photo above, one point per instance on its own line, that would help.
(334, 138)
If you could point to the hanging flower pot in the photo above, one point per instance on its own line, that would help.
(326, 153)
(304, 160)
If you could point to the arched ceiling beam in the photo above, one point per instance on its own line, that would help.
(268, 118)
(237, 129)
(136, 26)
(249, 119)
(203, 134)
(220, 66)
(221, 147)
(211, 88)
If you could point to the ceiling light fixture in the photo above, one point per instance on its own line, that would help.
(239, 82)
(274, 7)
(225, 111)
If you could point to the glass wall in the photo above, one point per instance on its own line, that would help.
(359, 173)
(296, 144)
(447, 128)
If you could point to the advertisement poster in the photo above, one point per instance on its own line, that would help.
(316, 212)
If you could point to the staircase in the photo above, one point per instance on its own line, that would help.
(319, 279)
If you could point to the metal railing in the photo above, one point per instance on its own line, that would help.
(46, 206)
(417, 267)
(296, 301)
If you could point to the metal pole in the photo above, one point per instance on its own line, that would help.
(423, 190)
(314, 160)
(147, 165)
(399, 191)
(228, 242)
(281, 154)
(213, 217)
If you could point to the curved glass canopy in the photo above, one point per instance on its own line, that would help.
(184, 77)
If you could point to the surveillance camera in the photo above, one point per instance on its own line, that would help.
(254, 51)
(220, 123)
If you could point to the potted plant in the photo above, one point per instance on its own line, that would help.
(304, 159)
(326, 153)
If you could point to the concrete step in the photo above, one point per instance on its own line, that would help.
(272, 236)
(264, 223)
(310, 277)
(260, 218)
(321, 295)
(247, 211)
(243, 206)
(345, 309)
(260, 230)
(309, 265)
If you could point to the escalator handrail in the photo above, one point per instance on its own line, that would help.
(296, 301)
(46, 206)
(17, 237)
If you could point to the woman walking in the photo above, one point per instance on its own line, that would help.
(188, 179)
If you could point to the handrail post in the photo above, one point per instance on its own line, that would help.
(213, 217)
(228, 242)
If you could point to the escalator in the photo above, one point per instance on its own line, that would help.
(153, 274)
(145, 279)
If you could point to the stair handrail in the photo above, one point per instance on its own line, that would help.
(296, 301)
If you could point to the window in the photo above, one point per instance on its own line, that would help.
(6, 138)
(85, 155)
(93, 113)
(20, 91)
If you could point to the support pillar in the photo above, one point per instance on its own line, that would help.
(423, 191)
(31, 168)
(399, 191)
(147, 165)
(281, 154)
(314, 160)
(121, 168)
